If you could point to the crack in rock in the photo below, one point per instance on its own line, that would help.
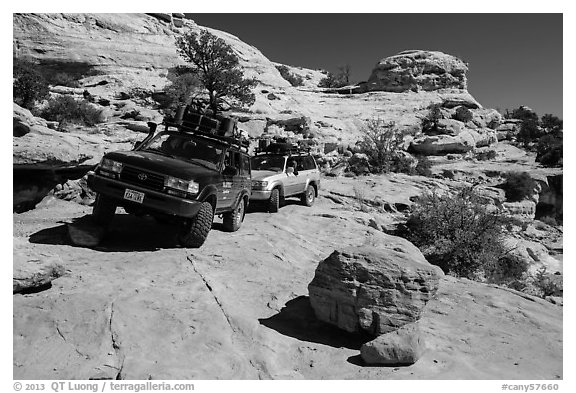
(115, 345)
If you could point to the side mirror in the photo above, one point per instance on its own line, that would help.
(230, 171)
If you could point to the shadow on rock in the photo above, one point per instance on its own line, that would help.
(297, 319)
(125, 234)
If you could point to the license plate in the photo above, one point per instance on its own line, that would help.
(134, 196)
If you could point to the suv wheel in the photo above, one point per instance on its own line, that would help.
(103, 210)
(308, 197)
(274, 201)
(195, 233)
(233, 219)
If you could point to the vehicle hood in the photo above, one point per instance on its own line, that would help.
(161, 164)
(265, 175)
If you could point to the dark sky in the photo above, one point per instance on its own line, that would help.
(514, 59)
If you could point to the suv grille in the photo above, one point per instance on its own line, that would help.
(142, 178)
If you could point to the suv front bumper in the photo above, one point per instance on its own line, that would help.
(260, 195)
(155, 202)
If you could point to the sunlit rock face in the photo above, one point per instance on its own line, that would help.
(417, 70)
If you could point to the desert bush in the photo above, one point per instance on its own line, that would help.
(64, 79)
(332, 81)
(549, 151)
(509, 270)
(544, 284)
(457, 232)
(295, 80)
(28, 86)
(380, 141)
(518, 186)
(65, 110)
(423, 167)
(430, 122)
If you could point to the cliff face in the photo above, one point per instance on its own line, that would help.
(138, 48)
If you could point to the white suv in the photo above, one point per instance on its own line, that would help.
(277, 175)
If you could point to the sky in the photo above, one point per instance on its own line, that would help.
(513, 59)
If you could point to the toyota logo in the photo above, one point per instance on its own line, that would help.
(142, 176)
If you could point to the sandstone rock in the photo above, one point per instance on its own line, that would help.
(373, 289)
(464, 99)
(523, 209)
(418, 70)
(400, 347)
(254, 128)
(449, 127)
(487, 118)
(443, 144)
(34, 270)
(535, 254)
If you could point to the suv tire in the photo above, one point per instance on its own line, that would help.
(195, 233)
(104, 210)
(308, 197)
(233, 220)
(274, 201)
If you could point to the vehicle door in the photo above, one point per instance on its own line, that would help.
(292, 180)
(234, 181)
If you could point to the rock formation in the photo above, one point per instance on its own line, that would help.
(416, 70)
(400, 347)
(375, 290)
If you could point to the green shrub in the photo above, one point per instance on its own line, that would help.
(295, 80)
(430, 121)
(545, 284)
(29, 86)
(509, 270)
(381, 142)
(65, 110)
(423, 168)
(457, 232)
(332, 81)
(549, 150)
(181, 91)
(518, 186)
(64, 79)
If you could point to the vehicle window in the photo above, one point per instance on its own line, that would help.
(268, 163)
(310, 162)
(245, 165)
(186, 147)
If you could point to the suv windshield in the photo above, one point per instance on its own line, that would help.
(268, 163)
(186, 147)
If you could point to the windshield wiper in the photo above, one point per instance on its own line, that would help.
(202, 163)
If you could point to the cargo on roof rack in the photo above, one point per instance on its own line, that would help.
(220, 128)
(282, 148)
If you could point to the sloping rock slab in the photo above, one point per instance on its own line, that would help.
(401, 347)
(30, 271)
(372, 289)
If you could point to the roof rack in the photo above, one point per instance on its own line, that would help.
(282, 149)
(218, 128)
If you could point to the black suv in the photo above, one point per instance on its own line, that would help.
(184, 175)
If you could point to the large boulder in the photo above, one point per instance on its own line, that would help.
(417, 70)
(32, 271)
(400, 347)
(464, 142)
(373, 289)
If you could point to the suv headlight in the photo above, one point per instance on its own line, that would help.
(188, 186)
(111, 165)
(261, 185)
